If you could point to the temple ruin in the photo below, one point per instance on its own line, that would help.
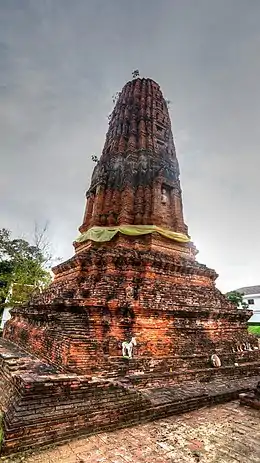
(133, 279)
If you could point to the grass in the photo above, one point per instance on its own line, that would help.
(254, 329)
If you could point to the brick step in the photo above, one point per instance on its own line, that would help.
(159, 363)
(160, 402)
(192, 389)
(44, 405)
(145, 367)
(204, 374)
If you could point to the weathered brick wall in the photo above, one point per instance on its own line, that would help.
(170, 305)
(47, 406)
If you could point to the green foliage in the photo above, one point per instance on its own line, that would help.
(254, 329)
(237, 299)
(22, 266)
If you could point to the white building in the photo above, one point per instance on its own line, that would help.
(14, 289)
(251, 295)
(6, 315)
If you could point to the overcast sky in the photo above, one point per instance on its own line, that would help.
(60, 63)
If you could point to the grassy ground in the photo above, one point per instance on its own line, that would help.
(254, 329)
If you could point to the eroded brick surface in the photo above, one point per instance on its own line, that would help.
(147, 287)
(137, 178)
(173, 309)
(43, 405)
(68, 377)
(222, 434)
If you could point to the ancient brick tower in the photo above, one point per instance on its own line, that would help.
(134, 274)
(136, 181)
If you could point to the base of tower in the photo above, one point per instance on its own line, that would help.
(42, 405)
(104, 296)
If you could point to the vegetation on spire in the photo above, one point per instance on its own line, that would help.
(135, 74)
(115, 97)
(94, 158)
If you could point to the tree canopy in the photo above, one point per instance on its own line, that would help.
(23, 265)
(237, 299)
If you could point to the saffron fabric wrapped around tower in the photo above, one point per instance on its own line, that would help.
(133, 276)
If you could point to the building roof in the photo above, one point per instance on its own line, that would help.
(255, 318)
(249, 290)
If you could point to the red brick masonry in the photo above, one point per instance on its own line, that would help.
(173, 309)
(42, 405)
(61, 366)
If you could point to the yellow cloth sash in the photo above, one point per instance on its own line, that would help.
(102, 234)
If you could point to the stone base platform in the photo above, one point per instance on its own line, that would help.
(152, 371)
(250, 400)
(43, 405)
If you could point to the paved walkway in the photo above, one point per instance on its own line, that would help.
(221, 434)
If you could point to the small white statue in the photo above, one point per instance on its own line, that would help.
(215, 360)
(127, 348)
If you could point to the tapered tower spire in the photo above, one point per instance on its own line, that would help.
(136, 181)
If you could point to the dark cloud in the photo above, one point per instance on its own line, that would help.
(60, 63)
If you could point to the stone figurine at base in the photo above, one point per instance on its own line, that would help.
(127, 348)
(215, 361)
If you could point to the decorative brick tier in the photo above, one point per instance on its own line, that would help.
(107, 295)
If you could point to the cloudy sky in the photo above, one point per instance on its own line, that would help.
(60, 63)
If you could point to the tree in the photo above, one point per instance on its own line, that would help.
(237, 299)
(23, 266)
